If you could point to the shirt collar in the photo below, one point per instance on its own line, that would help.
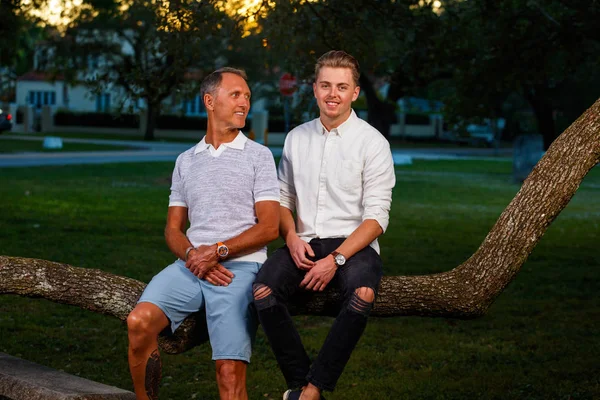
(238, 143)
(344, 127)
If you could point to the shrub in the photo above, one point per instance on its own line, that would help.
(416, 119)
(170, 121)
(97, 119)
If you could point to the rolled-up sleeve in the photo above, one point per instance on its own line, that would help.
(379, 179)
(177, 196)
(286, 180)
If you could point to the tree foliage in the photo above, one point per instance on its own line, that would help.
(471, 54)
(535, 49)
(19, 32)
(151, 49)
(390, 39)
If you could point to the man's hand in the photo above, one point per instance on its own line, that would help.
(298, 250)
(219, 275)
(319, 275)
(201, 260)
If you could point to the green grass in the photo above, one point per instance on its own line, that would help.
(539, 340)
(21, 146)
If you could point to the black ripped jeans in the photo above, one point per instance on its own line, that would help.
(280, 274)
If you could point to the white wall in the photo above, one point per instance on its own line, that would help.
(24, 87)
(78, 98)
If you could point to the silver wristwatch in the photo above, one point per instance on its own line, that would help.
(338, 258)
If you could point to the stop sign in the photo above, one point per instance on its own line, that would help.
(287, 84)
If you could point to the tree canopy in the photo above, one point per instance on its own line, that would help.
(152, 50)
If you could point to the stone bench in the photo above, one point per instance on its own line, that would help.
(24, 380)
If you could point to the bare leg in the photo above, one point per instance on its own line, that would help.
(144, 324)
(231, 378)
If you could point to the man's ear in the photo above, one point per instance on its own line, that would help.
(209, 101)
(356, 93)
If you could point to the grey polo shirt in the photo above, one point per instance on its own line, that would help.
(220, 187)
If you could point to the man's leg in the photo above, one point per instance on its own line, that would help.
(359, 280)
(231, 327)
(169, 298)
(231, 378)
(277, 280)
(144, 324)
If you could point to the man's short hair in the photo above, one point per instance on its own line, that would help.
(211, 82)
(338, 59)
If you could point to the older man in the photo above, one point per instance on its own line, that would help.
(226, 187)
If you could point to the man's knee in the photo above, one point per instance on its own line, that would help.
(146, 319)
(261, 291)
(263, 296)
(231, 374)
(362, 300)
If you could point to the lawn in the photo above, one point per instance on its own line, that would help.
(539, 340)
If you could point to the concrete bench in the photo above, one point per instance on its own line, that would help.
(24, 380)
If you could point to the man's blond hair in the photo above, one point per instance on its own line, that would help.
(338, 59)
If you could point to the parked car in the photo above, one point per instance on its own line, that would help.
(5, 121)
(474, 134)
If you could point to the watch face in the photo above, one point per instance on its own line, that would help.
(222, 251)
(340, 259)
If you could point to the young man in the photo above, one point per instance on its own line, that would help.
(226, 187)
(337, 174)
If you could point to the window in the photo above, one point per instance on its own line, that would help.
(39, 98)
(103, 102)
(194, 106)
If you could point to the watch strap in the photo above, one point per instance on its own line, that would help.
(187, 251)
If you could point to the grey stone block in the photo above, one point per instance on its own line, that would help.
(24, 380)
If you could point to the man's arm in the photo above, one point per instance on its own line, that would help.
(175, 236)
(298, 247)
(378, 181)
(324, 269)
(203, 258)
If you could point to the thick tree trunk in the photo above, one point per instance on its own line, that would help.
(464, 292)
(544, 115)
(151, 117)
(381, 114)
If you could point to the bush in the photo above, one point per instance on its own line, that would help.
(181, 122)
(96, 119)
(416, 119)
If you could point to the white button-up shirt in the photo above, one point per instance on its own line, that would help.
(335, 180)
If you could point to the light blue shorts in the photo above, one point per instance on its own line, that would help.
(231, 323)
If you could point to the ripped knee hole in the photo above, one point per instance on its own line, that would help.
(260, 291)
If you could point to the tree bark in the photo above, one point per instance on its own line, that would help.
(151, 117)
(544, 115)
(381, 114)
(466, 291)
